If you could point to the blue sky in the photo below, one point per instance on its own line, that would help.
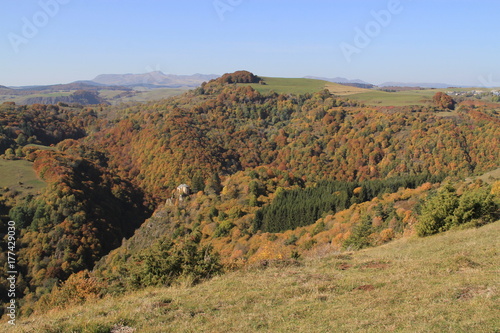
(60, 41)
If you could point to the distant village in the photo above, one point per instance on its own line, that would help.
(470, 93)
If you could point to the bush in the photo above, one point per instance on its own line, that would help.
(446, 209)
(437, 212)
(223, 229)
(359, 236)
(292, 240)
(318, 228)
(77, 289)
(167, 261)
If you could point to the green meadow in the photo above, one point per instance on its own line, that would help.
(18, 175)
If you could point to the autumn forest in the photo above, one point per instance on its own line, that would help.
(271, 177)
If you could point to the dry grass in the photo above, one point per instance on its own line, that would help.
(400, 98)
(491, 177)
(445, 283)
(342, 90)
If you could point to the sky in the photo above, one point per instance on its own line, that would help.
(61, 41)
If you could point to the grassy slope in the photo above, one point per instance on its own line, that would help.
(302, 86)
(289, 85)
(367, 96)
(491, 177)
(445, 283)
(16, 171)
(401, 98)
(41, 147)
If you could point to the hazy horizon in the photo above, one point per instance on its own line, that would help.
(62, 41)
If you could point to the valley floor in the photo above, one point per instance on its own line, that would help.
(444, 283)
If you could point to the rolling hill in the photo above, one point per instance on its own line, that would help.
(109, 88)
(122, 88)
(272, 176)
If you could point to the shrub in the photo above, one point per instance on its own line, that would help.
(359, 237)
(223, 229)
(318, 228)
(447, 209)
(292, 240)
(167, 261)
(437, 212)
(77, 289)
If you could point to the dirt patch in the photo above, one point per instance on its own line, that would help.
(122, 329)
(162, 304)
(365, 287)
(342, 256)
(374, 265)
(471, 292)
(461, 263)
(342, 266)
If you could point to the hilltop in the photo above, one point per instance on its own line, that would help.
(445, 283)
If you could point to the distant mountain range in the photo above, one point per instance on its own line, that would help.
(78, 85)
(341, 80)
(125, 87)
(152, 85)
(364, 84)
(336, 79)
(155, 79)
(421, 85)
(158, 79)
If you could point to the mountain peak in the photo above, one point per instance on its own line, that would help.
(337, 79)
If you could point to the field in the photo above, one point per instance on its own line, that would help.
(408, 97)
(401, 98)
(18, 175)
(303, 86)
(288, 85)
(444, 283)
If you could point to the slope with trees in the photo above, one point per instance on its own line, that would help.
(273, 177)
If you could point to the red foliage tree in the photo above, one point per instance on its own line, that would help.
(444, 101)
